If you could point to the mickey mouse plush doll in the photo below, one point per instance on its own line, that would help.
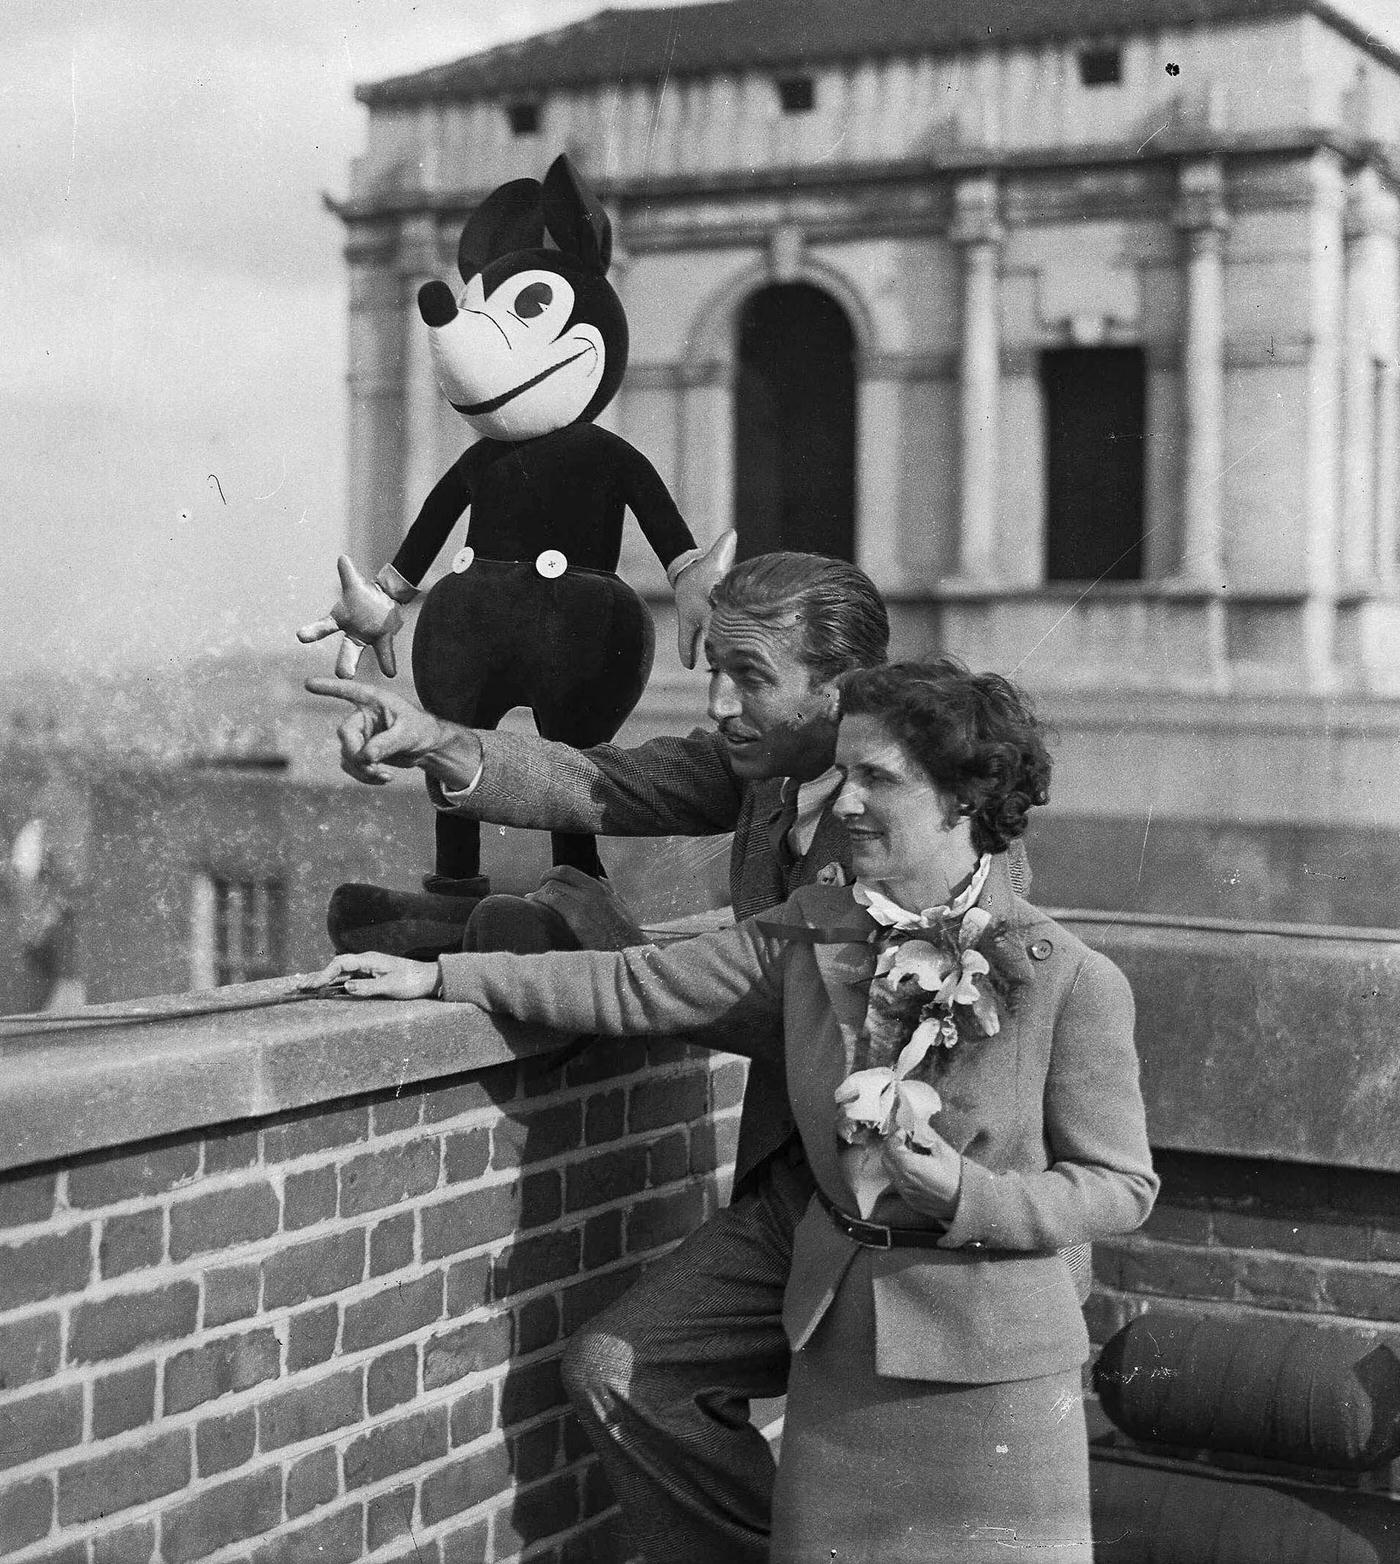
(533, 613)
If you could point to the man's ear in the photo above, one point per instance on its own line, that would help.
(831, 699)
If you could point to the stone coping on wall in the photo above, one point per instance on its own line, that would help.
(1268, 1041)
(1264, 1040)
(75, 1088)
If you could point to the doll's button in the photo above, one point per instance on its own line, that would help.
(551, 564)
(1042, 949)
(462, 559)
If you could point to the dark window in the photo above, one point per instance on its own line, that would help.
(797, 94)
(795, 424)
(1100, 67)
(249, 933)
(1095, 411)
(524, 118)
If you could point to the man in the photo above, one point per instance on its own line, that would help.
(662, 1379)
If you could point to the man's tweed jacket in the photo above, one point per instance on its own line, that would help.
(674, 787)
(666, 787)
(1047, 1114)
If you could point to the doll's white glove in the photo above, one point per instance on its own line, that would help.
(692, 585)
(368, 613)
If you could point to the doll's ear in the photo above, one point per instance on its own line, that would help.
(576, 218)
(509, 219)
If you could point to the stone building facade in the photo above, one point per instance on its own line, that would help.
(1075, 325)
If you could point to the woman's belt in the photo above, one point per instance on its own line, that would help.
(875, 1235)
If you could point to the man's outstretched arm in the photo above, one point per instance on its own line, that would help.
(665, 787)
(385, 732)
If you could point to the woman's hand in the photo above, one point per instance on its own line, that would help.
(928, 1181)
(369, 975)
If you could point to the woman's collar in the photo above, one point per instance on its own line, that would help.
(890, 914)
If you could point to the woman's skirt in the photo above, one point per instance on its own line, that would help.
(904, 1471)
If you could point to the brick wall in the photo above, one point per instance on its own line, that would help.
(331, 1328)
(334, 1333)
(1245, 1239)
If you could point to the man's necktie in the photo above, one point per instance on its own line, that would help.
(784, 818)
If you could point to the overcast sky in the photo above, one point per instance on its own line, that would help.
(172, 308)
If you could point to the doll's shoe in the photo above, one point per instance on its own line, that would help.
(476, 886)
(517, 923)
(400, 923)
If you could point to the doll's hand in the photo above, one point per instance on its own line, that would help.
(928, 1181)
(367, 615)
(369, 975)
(596, 914)
(693, 587)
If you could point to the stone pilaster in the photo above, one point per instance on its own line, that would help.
(373, 454)
(978, 232)
(1320, 457)
(1202, 219)
(419, 262)
(1368, 383)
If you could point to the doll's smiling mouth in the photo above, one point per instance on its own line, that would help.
(475, 409)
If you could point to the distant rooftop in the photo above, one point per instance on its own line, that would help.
(693, 40)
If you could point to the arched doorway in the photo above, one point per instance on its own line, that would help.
(795, 424)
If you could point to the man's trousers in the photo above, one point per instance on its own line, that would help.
(663, 1378)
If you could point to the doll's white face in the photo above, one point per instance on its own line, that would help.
(503, 363)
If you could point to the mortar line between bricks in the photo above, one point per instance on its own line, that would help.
(153, 1508)
(1147, 1245)
(137, 1282)
(276, 1318)
(1164, 1303)
(140, 1280)
(236, 1401)
(546, 1546)
(379, 1140)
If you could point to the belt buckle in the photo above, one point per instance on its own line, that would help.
(870, 1235)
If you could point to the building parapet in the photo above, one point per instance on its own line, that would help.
(294, 1281)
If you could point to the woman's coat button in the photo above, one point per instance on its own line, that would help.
(1041, 949)
(551, 564)
(462, 559)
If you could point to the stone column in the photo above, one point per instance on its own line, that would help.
(881, 550)
(1318, 565)
(1201, 217)
(419, 262)
(977, 230)
(1368, 430)
(373, 454)
(1387, 474)
(705, 449)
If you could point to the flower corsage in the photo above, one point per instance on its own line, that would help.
(932, 989)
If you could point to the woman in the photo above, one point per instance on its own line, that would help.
(963, 1076)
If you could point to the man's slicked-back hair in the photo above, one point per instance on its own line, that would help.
(842, 618)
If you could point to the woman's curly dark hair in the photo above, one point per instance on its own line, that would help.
(973, 734)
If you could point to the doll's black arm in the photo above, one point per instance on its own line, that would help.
(650, 502)
(440, 512)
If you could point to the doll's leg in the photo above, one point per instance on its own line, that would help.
(458, 839)
(457, 645)
(597, 646)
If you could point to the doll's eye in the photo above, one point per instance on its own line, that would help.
(532, 301)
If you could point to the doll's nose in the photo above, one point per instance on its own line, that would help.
(436, 304)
